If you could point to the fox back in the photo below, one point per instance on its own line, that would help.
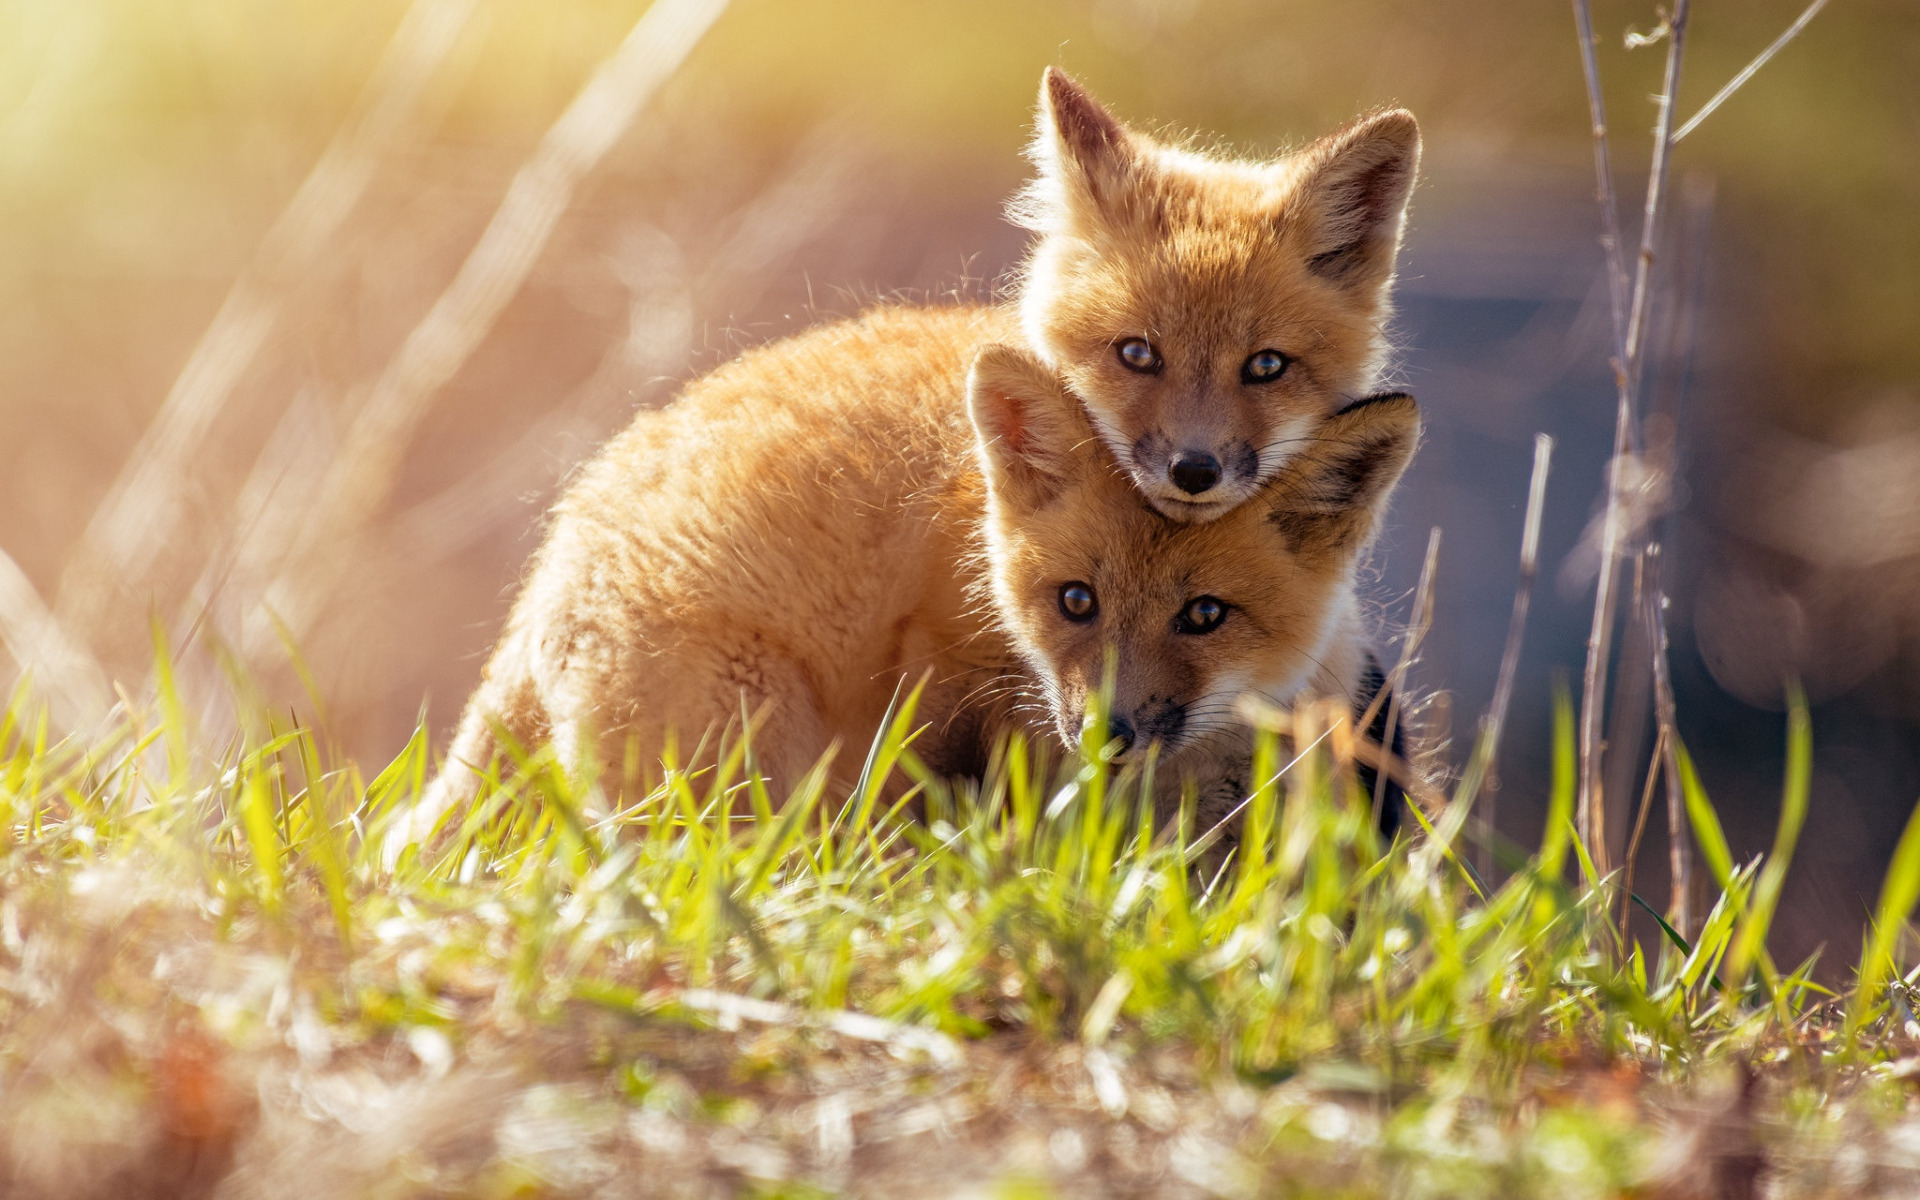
(1209, 312)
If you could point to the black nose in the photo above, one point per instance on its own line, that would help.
(1194, 471)
(1120, 730)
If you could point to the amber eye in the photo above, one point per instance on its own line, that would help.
(1137, 355)
(1077, 602)
(1264, 367)
(1202, 615)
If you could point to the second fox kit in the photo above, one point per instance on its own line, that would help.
(871, 503)
(1209, 312)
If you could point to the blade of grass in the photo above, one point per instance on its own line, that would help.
(1706, 823)
(1560, 800)
(172, 708)
(263, 839)
(1752, 935)
(1899, 893)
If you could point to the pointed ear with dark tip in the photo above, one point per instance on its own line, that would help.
(1086, 159)
(1331, 496)
(1351, 200)
(1033, 435)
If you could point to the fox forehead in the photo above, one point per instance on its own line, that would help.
(1177, 188)
(1202, 291)
(1146, 567)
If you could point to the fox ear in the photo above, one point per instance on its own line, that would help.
(1033, 435)
(1351, 199)
(1331, 496)
(1086, 159)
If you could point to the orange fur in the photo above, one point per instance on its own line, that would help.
(819, 521)
(1209, 261)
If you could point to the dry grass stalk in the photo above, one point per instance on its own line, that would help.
(1697, 195)
(1630, 339)
(143, 510)
(768, 232)
(1591, 811)
(1747, 72)
(1629, 706)
(288, 466)
(1679, 845)
(62, 668)
(1417, 629)
(1639, 831)
(1656, 189)
(1603, 174)
(297, 560)
(1482, 781)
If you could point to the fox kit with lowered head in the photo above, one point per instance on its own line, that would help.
(1258, 602)
(1209, 312)
(883, 501)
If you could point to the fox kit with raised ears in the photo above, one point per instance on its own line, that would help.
(1209, 312)
(883, 501)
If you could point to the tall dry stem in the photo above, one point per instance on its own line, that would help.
(62, 668)
(1747, 72)
(1697, 199)
(1679, 844)
(1590, 814)
(768, 231)
(1481, 783)
(1421, 622)
(143, 510)
(1630, 332)
(1610, 238)
(297, 561)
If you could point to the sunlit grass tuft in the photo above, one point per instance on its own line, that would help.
(919, 988)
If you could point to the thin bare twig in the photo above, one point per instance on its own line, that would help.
(768, 231)
(1656, 186)
(1697, 195)
(137, 520)
(1679, 845)
(1629, 707)
(1639, 831)
(1529, 563)
(1610, 241)
(308, 563)
(1603, 176)
(1416, 632)
(1483, 770)
(1747, 72)
(1591, 814)
(62, 668)
(1628, 366)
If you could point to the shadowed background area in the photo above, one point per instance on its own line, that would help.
(306, 310)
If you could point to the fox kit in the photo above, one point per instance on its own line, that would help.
(882, 500)
(1209, 312)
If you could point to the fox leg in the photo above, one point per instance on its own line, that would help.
(507, 699)
(698, 695)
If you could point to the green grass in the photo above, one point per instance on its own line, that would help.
(206, 973)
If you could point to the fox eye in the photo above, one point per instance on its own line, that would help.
(1202, 615)
(1137, 354)
(1077, 602)
(1264, 367)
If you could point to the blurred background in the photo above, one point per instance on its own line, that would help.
(267, 380)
